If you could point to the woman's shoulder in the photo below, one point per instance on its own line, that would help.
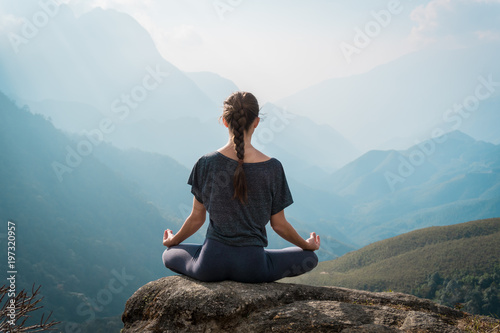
(210, 155)
(214, 158)
(205, 160)
(259, 156)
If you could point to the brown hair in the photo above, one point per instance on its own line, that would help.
(240, 110)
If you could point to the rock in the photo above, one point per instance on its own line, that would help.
(180, 304)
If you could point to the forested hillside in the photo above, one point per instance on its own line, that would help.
(458, 264)
(90, 240)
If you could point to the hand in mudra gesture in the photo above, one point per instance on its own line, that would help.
(167, 238)
(313, 241)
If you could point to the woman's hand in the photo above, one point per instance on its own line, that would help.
(168, 236)
(313, 242)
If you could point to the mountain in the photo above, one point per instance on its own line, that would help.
(445, 180)
(61, 75)
(462, 259)
(482, 124)
(88, 237)
(408, 97)
(385, 172)
(104, 59)
(152, 105)
(68, 116)
(160, 179)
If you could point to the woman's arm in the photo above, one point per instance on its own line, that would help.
(194, 222)
(287, 232)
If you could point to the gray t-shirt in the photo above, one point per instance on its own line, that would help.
(232, 222)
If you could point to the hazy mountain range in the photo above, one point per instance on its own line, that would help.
(390, 107)
(95, 167)
(110, 209)
(96, 59)
(154, 105)
(85, 219)
(451, 179)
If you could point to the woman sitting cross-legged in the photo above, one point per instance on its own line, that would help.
(242, 190)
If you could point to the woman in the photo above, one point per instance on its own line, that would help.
(242, 189)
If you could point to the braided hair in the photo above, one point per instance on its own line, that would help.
(240, 110)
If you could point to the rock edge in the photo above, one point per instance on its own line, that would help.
(180, 304)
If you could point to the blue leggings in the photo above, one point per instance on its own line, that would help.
(216, 261)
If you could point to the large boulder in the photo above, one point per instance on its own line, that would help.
(180, 304)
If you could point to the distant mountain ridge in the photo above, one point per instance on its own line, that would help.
(104, 59)
(107, 68)
(392, 192)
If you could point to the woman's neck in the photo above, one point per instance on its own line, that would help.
(230, 146)
(229, 150)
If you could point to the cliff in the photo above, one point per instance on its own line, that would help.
(180, 304)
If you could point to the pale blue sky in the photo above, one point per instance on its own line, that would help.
(275, 48)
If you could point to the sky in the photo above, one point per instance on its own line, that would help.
(276, 48)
